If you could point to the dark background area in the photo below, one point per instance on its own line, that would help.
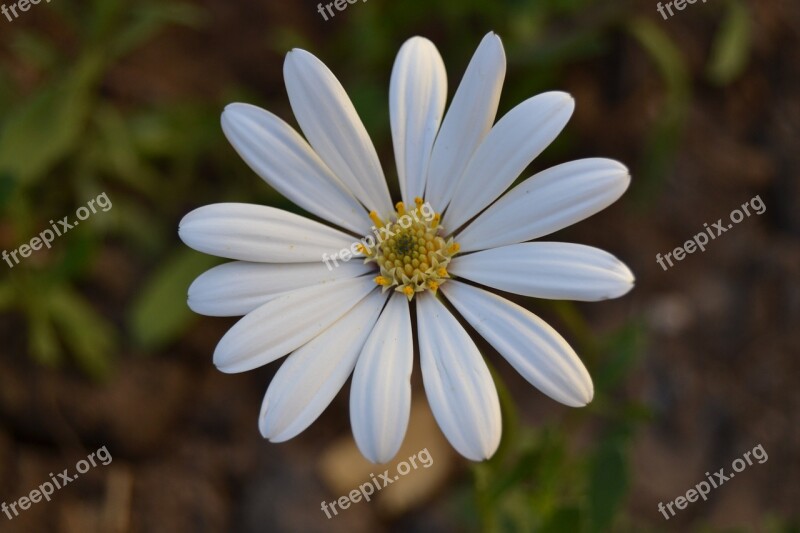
(693, 368)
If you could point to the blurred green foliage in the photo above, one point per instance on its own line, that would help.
(538, 481)
(63, 142)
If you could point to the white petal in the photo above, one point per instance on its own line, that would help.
(259, 233)
(468, 120)
(278, 154)
(517, 138)
(532, 347)
(555, 270)
(417, 95)
(238, 287)
(312, 375)
(458, 384)
(286, 323)
(380, 395)
(547, 202)
(330, 123)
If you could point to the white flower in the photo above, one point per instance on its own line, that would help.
(334, 323)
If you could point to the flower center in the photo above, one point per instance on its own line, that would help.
(410, 252)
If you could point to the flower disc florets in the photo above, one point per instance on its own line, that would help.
(414, 256)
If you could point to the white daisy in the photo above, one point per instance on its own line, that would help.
(356, 318)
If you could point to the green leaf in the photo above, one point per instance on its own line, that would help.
(608, 484)
(43, 340)
(35, 50)
(624, 348)
(90, 338)
(160, 314)
(43, 130)
(565, 519)
(662, 143)
(117, 154)
(731, 47)
(7, 294)
(148, 19)
(8, 186)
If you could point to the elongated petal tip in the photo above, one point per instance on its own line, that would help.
(564, 99)
(418, 40)
(184, 227)
(626, 278)
(588, 396)
(492, 39)
(580, 393)
(234, 113)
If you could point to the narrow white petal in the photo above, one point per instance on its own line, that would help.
(312, 375)
(330, 123)
(555, 270)
(259, 233)
(517, 138)
(547, 202)
(458, 384)
(277, 153)
(467, 121)
(533, 348)
(380, 395)
(238, 287)
(417, 95)
(286, 323)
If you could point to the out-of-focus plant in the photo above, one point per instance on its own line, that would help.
(538, 481)
(728, 59)
(62, 144)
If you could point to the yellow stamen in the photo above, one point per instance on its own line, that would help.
(415, 254)
(376, 219)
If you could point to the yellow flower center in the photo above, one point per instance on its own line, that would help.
(411, 253)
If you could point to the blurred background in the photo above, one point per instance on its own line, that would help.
(695, 367)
